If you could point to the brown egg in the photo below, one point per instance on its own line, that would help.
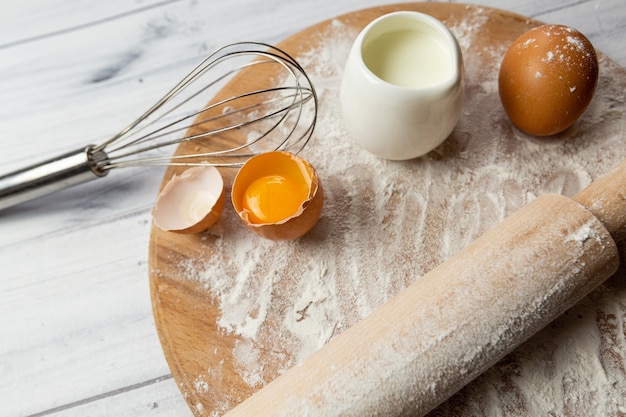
(278, 195)
(547, 79)
(190, 202)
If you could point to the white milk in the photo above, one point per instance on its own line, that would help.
(408, 58)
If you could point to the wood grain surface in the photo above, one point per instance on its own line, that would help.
(186, 314)
(78, 335)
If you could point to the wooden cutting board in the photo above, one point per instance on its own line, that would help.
(201, 350)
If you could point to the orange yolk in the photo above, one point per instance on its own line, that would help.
(273, 198)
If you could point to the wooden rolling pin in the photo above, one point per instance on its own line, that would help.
(455, 322)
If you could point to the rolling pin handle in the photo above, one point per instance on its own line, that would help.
(605, 198)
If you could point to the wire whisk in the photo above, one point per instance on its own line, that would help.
(262, 100)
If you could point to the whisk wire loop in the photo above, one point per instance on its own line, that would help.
(299, 95)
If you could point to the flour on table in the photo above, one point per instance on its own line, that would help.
(387, 223)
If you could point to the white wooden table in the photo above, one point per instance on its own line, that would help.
(77, 336)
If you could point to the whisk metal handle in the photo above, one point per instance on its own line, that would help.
(52, 175)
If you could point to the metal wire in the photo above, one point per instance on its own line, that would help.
(280, 117)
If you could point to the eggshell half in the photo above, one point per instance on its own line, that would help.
(286, 164)
(190, 202)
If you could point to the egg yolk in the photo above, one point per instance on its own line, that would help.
(273, 198)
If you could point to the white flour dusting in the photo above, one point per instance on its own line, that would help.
(387, 223)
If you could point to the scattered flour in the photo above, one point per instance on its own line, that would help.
(387, 223)
(583, 234)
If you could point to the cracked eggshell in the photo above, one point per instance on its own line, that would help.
(190, 202)
(547, 79)
(296, 171)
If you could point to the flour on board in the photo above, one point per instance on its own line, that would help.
(387, 223)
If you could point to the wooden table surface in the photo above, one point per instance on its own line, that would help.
(77, 336)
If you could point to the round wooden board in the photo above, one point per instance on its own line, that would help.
(200, 351)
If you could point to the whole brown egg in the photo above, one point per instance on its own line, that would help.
(547, 79)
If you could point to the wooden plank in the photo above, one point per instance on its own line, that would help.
(67, 259)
